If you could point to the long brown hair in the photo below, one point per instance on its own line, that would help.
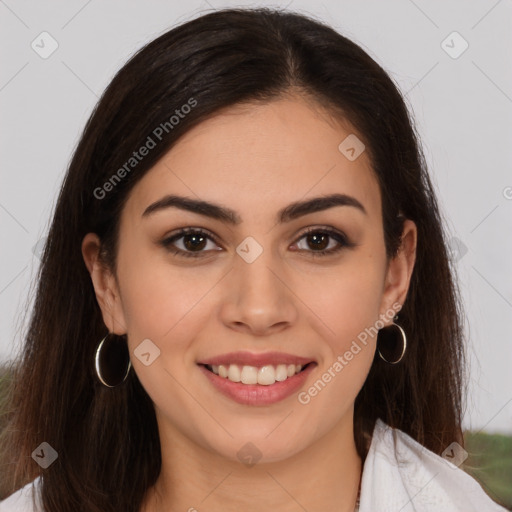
(107, 439)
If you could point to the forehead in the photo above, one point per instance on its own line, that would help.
(258, 157)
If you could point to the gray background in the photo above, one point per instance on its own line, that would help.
(462, 107)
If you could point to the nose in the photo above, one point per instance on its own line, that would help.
(259, 299)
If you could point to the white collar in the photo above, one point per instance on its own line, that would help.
(401, 475)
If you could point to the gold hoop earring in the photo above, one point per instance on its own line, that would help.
(385, 333)
(112, 361)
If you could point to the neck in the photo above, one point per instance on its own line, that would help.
(324, 476)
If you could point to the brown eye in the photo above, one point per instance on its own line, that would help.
(318, 241)
(194, 243)
(323, 242)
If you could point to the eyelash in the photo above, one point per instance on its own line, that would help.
(338, 236)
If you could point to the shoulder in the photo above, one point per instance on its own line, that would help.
(401, 474)
(24, 500)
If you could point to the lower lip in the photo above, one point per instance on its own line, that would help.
(257, 394)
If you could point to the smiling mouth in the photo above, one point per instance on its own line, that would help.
(250, 375)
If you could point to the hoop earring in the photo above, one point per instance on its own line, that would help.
(404, 343)
(112, 361)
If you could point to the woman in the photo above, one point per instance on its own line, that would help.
(245, 299)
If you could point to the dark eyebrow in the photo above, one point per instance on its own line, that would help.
(228, 216)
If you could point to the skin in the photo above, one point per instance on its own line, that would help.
(254, 159)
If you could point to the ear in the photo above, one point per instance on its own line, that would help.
(398, 275)
(105, 285)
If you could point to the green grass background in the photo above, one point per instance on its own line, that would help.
(490, 462)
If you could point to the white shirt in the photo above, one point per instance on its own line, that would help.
(399, 475)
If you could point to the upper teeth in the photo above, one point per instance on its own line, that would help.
(266, 375)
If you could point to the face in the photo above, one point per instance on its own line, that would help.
(255, 279)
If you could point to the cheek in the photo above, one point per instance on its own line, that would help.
(157, 296)
(171, 307)
(350, 311)
(345, 300)
(166, 306)
(347, 305)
